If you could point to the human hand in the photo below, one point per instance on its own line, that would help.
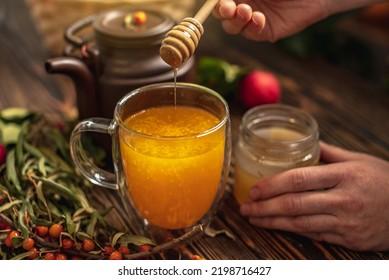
(344, 202)
(270, 20)
(267, 20)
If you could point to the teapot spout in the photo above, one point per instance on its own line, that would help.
(83, 80)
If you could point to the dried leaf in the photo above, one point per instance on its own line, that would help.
(213, 232)
(135, 239)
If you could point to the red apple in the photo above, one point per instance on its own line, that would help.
(258, 88)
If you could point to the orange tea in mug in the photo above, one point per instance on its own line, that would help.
(173, 171)
(171, 153)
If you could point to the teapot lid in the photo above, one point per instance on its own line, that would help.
(120, 28)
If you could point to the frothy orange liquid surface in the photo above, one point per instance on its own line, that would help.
(172, 181)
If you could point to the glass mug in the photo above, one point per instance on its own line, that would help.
(273, 138)
(170, 150)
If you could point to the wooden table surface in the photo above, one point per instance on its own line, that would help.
(351, 112)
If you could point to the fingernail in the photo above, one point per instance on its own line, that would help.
(240, 16)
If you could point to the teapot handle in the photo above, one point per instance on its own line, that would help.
(74, 40)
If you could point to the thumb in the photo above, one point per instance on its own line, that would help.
(332, 154)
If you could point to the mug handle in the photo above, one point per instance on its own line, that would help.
(87, 167)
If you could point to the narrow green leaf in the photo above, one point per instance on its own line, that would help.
(116, 238)
(32, 150)
(83, 235)
(28, 166)
(22, 256)
(9, 205)
(22, 226)
(55, 160)
(42, 167)
(19, 145)
(41, 197)
(61, 189)
(70, 225)
(90, 229)
(11, 170)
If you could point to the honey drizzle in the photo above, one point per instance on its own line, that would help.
(175, 70)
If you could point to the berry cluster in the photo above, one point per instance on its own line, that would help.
(53, 243)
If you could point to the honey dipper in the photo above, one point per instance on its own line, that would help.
(181, 41)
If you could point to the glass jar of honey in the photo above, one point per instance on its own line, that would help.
(273, 138)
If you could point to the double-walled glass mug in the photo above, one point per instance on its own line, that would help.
(170, 150)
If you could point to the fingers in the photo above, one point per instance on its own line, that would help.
(330, 154)
(294, 204)
(297, 180)
(254, 28)
(239, 19)
(225, 10)
(299, 224)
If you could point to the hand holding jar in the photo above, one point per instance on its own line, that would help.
(344, 201)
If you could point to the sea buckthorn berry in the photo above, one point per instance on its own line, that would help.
(144, 248)
(67, 243)
(88, 245)
(139, 17)
(41, 230)
(61, 257)
(124, 250)
(55, 230)
(108, 249)
(34, 253)
(11, 235)
(197, 257)
(115, 255)
(49, 256)
(28, 244)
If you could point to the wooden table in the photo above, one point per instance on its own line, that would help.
(351, 113)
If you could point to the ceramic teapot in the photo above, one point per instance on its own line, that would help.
(120, 53)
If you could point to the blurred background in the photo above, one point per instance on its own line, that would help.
(356, 40)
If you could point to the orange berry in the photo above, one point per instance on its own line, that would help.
(34, 253)
(28, 244)
(144, 248)
(197, 257)
(124, 250)
(55, 230)
(108, 250)
(11, 235)
(88, 245)
(41, 230)
(115, 255)
(49, 256)
(61, 257)
(67, 243)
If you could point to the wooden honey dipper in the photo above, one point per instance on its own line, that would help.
(181, 41)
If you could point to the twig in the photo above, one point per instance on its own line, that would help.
(168, 245)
